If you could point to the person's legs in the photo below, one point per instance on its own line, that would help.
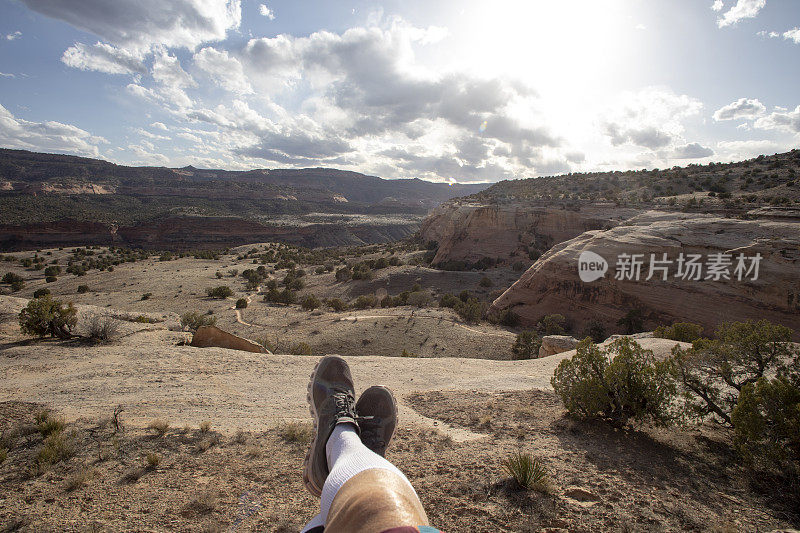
(360, 490)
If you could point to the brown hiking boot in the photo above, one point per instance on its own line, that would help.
(377, 417)
(331, 399)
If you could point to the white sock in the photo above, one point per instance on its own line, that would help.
(347, 456)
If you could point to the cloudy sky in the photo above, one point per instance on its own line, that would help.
(444, 90)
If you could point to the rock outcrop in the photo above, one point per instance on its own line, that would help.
(212, 336)
(553, 344)
(553, 285)
(469, 231)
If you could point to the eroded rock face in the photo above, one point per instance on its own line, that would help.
(469, 231)
(553, 344)
(552, 284)
(208, 336)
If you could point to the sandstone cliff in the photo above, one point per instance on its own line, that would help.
(552, 284)
(468, 231)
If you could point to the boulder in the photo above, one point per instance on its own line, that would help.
(212, 336)
(553, 344)
(553, 285)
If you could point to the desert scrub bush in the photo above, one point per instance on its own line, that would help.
(301, 348)
(38, 293)
(526, 345)
(632, 322)
(714, 371)
(46, 316)
(82, 289)
(470, 310)
(507, 318)
(336, 304)
(418, 299)
(527, 471)
(766, 423)
(52, 271)
(194, 320)
(152, 459)
(485, 282)
(631, 387)
(344, 273)
(552, 325)
(365, 301)
(596, 331)
(296, 432)
(102, 328)
(3, 455)
(146, 296)
(680, 331)
(56, 447)
(449, 300)
(205, 426)
(310, 302)
(241, 303)
(47, 424)
(79, 479)
(159, 426)
(221, 292)
(10, 278)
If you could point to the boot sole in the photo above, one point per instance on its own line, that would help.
(307, 482)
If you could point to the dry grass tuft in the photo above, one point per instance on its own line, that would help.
(527, 470)
(153, 459)
(79, 478)
(205, 426)
(159, 426)
(296, 432)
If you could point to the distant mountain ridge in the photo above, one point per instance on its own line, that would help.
(262, 191)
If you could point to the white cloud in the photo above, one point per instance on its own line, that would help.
(160, 126)
(740, 150)
(651, 118)
(141, 24)
(167, 71)
(266, 12)
(747, 108)
(15, 35)
(717, 5)
(149, 135)
(743, 9)
(781, 119)
(46, 136)
(692, 151)
(103, 57)
(7, 75)
(224, 69)
(793, 35)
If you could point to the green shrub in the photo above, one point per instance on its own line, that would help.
(241, 303)
(552, 325)
(52, 271)
(336, 304)
(449, 300)
(528, 471)
(631, 387)
(47, 424)
(194, 320)
(50, 279)
(17, 286)
(485, 282)
(470, 311)
(56, 447)
(365, 301)
(508, 318)
(526, 346)
(10, 277)
(418, 299)
(83, 289)
(680, 331)
(766, 423)
(38, 293)
(343, 274)
(45, 316)
(714, 372)
(310, 302)
(596, 331)
(221, 292)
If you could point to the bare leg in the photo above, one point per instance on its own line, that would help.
(375, 500)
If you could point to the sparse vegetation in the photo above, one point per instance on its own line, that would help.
(526, 345)
(299, 433)
(301, 348)
(310, 302)
(159, 426)
(220, 293)
(194, 320)
(46, 316)
(85, 288)
(102, 328)
(680, 331)
(631, 387)
(527, 471)
(241, 303)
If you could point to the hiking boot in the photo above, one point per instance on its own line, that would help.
(331, 399)
(377, 417)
